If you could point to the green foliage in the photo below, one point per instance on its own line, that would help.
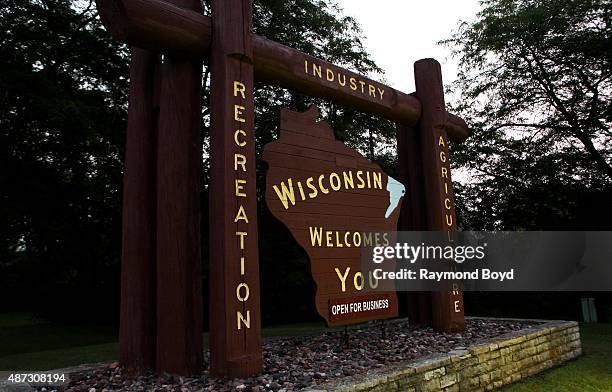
(536, 85)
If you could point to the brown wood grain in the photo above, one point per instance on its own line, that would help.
(413, 214)
(447, 307)
(297, 155)
(137, 321)
(179, 291)
(234, 352)
(162, 27)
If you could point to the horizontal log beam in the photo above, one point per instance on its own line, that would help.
(163, 27)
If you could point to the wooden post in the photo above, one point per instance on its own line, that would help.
(235, 322)
(179, 278)
(137, 322)
(413, 214)
(447, 307)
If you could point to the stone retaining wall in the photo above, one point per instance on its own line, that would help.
(499, 361)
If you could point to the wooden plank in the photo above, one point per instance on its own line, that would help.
(179, 291)
(235, 316)
(137, 321)
(447, 312)
(159, 26)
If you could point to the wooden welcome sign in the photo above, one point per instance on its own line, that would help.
(161, 294)
(335, 202)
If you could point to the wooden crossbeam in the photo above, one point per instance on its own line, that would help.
(166, 28)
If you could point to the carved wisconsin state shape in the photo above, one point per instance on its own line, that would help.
(307, 148)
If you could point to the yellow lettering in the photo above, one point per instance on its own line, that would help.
(377, 177)
(241, 215)
(239, 160)
(316, 70)
(240, 319)
(310, 185)
(334, 181)
(240, 187)
(372, 90)
(360, 181)
(353, 83)
(299, 184)
(374, 283)
(442, 156)
(238, 142)
(447, 203)
(329, 75)
(444, 172)
(286, 195)
(241, 234)
(239, 111)
(328, 239)
(381, 91)
(316, 235)
(343, 82)
(441, 141)
(323, 189)
(343, 277)
(242, 297)
(362, 83)
(348, 179)
(357, 239)
(358, 286)
(239, 88)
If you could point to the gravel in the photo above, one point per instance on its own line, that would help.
(294, 363)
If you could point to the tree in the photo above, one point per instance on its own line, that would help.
(536, 83)
(62, 118)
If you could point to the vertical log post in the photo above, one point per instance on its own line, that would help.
(137, 320)
(179, 280)
(447, 307)
(235, 322)
(413, 216)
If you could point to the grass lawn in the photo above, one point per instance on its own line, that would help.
(29, 345)
(591, 372)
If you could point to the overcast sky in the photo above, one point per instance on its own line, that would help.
(399, 32)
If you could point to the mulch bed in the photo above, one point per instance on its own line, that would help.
(294, 363)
